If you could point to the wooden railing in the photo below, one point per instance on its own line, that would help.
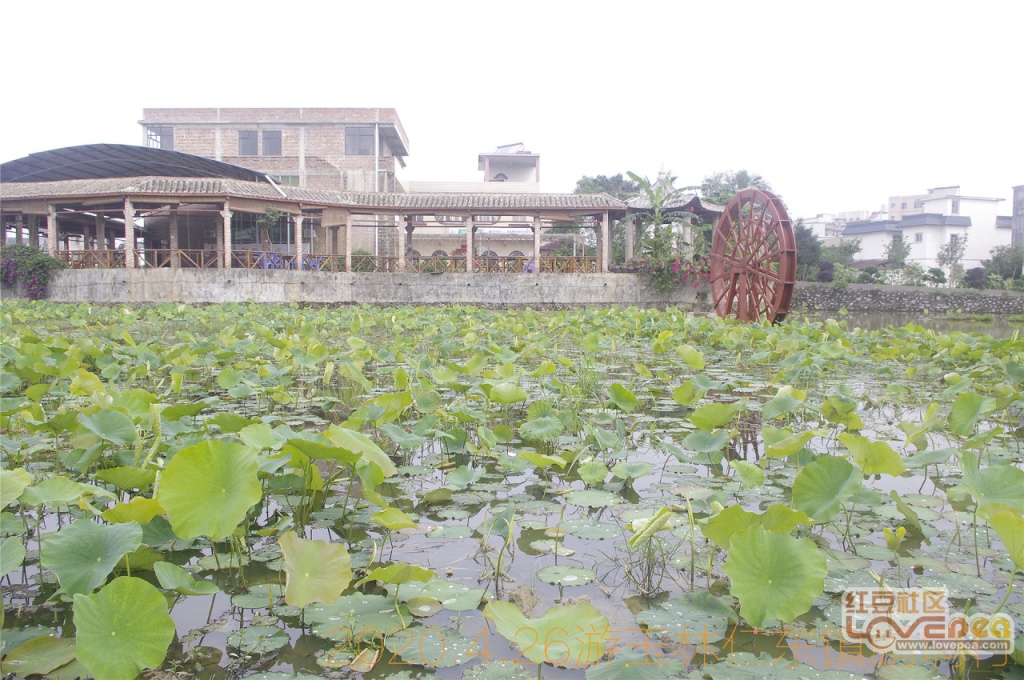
(252, 259)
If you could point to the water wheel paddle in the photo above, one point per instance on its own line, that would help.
(753, 258)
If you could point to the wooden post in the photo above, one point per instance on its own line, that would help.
(33, 230)
(630, 226)
(129, 235)
(52, 230)
(19, 223)
(469, 244)
(172, 238)
(401, 248)
(536, 244)
(348, 241)
(604, 241)
(226, 215)
(298, 241)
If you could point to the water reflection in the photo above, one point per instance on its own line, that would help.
(995, 326)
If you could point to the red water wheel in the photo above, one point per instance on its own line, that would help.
(753, 258)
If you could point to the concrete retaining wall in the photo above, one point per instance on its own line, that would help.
(119, 286)
(197, 286)
(863, 297)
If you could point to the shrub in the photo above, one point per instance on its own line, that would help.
(28, 265)
(664, 275)
(976, 278)
(826, 271)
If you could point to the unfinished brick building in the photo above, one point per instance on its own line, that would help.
(350, 149)
(333, 149)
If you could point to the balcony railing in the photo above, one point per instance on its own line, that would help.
(156, 258)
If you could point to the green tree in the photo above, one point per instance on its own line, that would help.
(841, 254)
(808, 252)
(950, 256)
(616, 186)
(720, 187)
(1005, 261)
(897, 251)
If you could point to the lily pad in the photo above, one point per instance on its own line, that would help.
(258, 639)
(592, 498)
(692, 618)
(432, 647)
(316, 571)
(566, 575)
(570, 635)
(589, 529)
(83, 554)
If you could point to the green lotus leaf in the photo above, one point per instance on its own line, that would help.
(321, 451)
(393, 519)
(691, 356)
(702, 441)
(773, 575)
(1009, 525)
(508, 393)
(780, 442)
(551, 547)
(123, 629)
(968, 409)
(873, 457)
(426, 401)
(905, 510)
(127, 477)
(993, 484)
(592, 472)
(110, 425)
(358, 617)
(691, 619)
(631, 470)
(84, 553)
(629, 664)
(12, 483)
(571, 635)
(592, 498)
(622, 397)
(544, 429)
(357, 442)
(686, 394)
(566, 575)
(499, 669)
(259, 596)
(60, 491)
(173, 577)
(785, 400)
(718, 414)
(925, 458)
(750, 475)
(404, 439)
(12, 554)
(452, 596)
(138, 509)
(258, 639)
(541, 460)
(589, 529)
(38, 656)
(398, 573)
(961, 586)
(463, 476)
(433, 647)
(208, 488)
(821, 487)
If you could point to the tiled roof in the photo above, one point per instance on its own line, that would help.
(688, 202)
(419, 202)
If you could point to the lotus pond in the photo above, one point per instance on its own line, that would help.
(276, 492)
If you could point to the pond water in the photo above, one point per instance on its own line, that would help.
(529, 448)
(994, 325)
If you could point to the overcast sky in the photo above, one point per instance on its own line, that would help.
(837, 106)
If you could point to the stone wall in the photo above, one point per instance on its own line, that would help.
(198, 286)
(862, 297)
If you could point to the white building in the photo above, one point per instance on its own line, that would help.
(931, 220)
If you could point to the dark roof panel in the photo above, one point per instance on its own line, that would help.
(103, 161)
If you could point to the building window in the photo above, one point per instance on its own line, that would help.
(903, 206)
(919, 237)
(271, 142)
(248, 143)
(956, 206)
(358, 141)
(160, 137)
(892, 205)
(954, 238)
